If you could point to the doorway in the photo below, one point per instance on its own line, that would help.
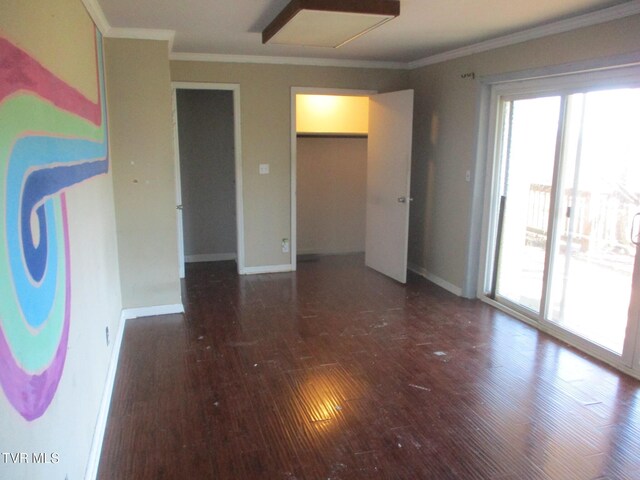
(208, 173)
(565, 193)
(331, 163)
(371, 209)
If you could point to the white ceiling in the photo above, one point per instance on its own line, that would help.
(423, 29)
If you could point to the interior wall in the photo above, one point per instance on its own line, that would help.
(445, 123)
(332, 114)
(332, 194)
(142, 152)
(54, 354)
(265, 96)
(207, 173)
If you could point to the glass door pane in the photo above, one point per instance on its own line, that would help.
(528, 150)
(598, 196)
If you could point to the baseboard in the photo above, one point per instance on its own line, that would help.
(210, 257)
(312, 251)
(435, 279)
(266, 269)
(91, 472)
(93, 464)
(130, 313)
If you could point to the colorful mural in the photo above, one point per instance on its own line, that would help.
(51, 138)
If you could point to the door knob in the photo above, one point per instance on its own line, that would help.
(404, 199)
(178, 207)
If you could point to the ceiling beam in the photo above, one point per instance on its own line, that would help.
(371, 7)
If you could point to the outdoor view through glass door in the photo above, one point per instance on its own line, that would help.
(568, 183)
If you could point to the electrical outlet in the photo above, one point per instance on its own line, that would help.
(285, 245)
(467, 175)
(264, 168)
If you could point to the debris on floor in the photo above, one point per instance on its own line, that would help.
(420, 387)
(379, 325)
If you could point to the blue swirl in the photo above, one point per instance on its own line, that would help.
(40, 167)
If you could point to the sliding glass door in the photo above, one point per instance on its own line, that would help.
(598, 196)
(565, 192)
(528, 149)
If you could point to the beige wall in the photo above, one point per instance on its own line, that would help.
(445, 121)
(142, 153)
(265, 95)
(332, 194)
(445, 116)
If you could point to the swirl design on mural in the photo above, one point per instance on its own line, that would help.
(51, 138)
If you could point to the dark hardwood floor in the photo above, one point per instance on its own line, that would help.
(336, 372)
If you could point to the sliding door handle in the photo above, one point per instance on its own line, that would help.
(635, 229)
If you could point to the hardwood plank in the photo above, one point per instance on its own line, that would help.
(335, 371)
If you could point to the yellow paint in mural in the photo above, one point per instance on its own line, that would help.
(49, 31)
(332, 114)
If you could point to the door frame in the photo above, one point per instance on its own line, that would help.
(293, 241)
(235, 89)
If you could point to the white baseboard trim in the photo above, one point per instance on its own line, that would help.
(266, 269)
(210, 257)
(91, 472)
(130, 313)
(313, 251)
(435, 279)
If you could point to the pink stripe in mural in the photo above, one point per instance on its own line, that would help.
(19, 71)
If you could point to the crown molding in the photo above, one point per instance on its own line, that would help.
(601, 16)
(97, 15)
(143, 34)
(316, 62)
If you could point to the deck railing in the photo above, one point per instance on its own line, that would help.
(597, 220)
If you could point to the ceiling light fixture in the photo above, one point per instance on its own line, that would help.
(328, 23)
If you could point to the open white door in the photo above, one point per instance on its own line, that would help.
(176, 152)
(388, 182)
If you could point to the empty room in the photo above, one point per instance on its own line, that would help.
(200, 279)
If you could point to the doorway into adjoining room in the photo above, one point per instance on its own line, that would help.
(207, 171)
